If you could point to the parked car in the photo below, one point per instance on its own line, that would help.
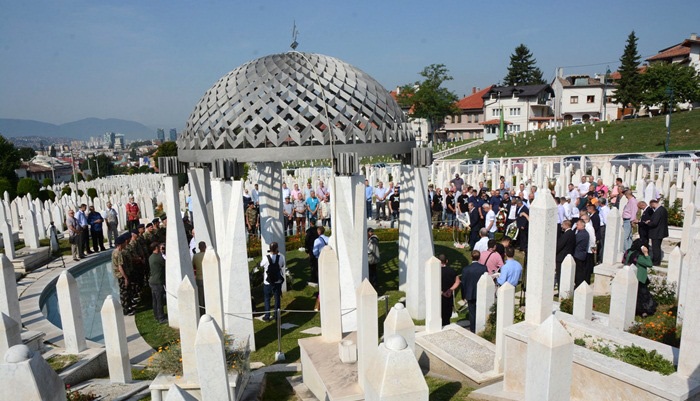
(575, 163)
(628, 160)
(469, 165)
(576, 121)
(679, 156)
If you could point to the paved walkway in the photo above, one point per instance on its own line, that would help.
(33, 284)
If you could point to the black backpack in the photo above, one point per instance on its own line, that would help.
(274, 272)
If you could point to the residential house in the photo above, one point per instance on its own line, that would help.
(41, 167)
(685, 53)
(467, 124)
(524, 108)
(583, 99)
(421, 126)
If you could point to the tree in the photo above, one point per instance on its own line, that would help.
(428, 99)
(629, 89)
(28, 186)
(47, 182)
(92, 193)
(166, 149)
(683, 80)
(9, 161)
(523, 69)
(6, 185)
(26, 153)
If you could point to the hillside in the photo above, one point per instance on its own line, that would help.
(81, 129)
(640, 135)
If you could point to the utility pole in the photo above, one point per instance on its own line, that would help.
(669, 92)
(605, 94)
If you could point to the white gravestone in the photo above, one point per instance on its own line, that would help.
(116, 345)
(550, 354)
(623, 298)
(71, 313)
(485, 297)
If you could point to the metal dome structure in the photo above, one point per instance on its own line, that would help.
(280, 107)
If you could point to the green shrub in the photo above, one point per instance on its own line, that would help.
(92, 193)
(639, 357)
(47, 182)
(66, 191)
(661, 327)
(6, 185)
(80, 192)
(675, 213)
(168, 359)
(580, 342)
(664, 293)
(28, 186)
(489, 332)
(46, 194)
(566, 304)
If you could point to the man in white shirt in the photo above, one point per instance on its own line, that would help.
(380, 194)
(561, 212)
(584, 185)
(603, 213)
(112, 218)
(483, 244)
(286, 192)
(591, 246)
(489, 220)
(273, 266)
(574, 194)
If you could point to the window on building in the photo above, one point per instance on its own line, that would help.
(514, 128)
(590, 99)
(573, 99)
(491, 129)
(496, 112)
(515, 111)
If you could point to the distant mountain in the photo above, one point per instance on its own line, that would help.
(81, 129)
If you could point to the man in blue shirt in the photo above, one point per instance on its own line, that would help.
(312, 208)
(511, 270)
(95, 222)
(368, 198)
(83, 244)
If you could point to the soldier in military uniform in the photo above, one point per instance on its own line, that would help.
(137, 264)
(120, 273)
(145, 252)
(162, 229)
(148, 234)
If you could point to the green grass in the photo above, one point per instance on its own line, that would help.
(277, 388)
(61, 362)
(442, 390)
(640, 135)
(601, 303)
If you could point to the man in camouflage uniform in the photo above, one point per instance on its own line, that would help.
(148, 234)
(137, 266)
(120, 273)
(145, 251)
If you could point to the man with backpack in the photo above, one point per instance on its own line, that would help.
(273, 266)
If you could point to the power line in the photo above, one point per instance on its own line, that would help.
(603, 63)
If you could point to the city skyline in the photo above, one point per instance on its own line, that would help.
(152, 62)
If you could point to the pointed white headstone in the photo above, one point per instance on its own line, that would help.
(399, 321)
(367, 329)
(116, 344)
(9, 301)
(433, 296)
(329, 291)
(212, 286)
(485, 297)
(583, 302)
(623, 298)
(566, 279)
(541, 258)
(189, 318)
(504, 318)
(550, 354)
(71, 313)
(211, 361)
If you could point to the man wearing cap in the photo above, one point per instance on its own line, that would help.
(112, 218)
(137, 265)
(148, 234)
(120, 273)
(288, 213)
(132, 214)
(372, 256)
(273, 264)
(95, 221)
(658, 230)
(251, 219)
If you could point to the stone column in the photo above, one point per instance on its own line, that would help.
(566, 278)
(623, 298)
(405, 214)
(9, 333)
(504, 318)
(485, 294)
(613, 237)
(433, 296)
(9, 301)
(689, 359)
(212, 286)
(200, 186)
(398, 321)
(350, 240)
(550, 354)
(116, 345)
(31, 234)
(688, 220)
(189, 316)
(220, 200)
(541, 259)
(271, 216)
(583, 302)
(8, 242)
(71, 313)
(675, 265)
(367, 329)
(395, 374)
(25, 375)
(238, 313)
(420, 245)
(178, 264)
(329, 291)
(211, 361)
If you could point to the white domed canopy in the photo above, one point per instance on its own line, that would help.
(280, 107)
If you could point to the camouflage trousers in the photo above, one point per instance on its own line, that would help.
(125, 295)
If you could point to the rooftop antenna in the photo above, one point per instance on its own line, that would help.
(295, 32)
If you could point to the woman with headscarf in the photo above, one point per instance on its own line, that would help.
(638, 255)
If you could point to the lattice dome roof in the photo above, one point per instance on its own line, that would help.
(277, 108)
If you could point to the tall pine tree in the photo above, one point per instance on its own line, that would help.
(629, 89)
(523, 69)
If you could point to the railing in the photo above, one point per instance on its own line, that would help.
(457, 149)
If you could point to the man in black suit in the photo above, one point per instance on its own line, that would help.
(566, 243)
(580, 252)
(642, 226)
(522, 219)
(475, 224)
(658, 230)
(470, 277)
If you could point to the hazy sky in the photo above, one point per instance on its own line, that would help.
(151, 61)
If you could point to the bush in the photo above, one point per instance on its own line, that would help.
(46, 194)
(47, 182)
(66, 191)
(566, 304)
(489, 332)
(661, 327)
(92, 193)
(664, 293)
(639, 357)
(675, 213)
(168, 359)
(80, 192)
(28, 186)
(6, 185)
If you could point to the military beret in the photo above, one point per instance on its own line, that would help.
(156, 220)
(141, 226)
(120, 240)
(149, 225)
